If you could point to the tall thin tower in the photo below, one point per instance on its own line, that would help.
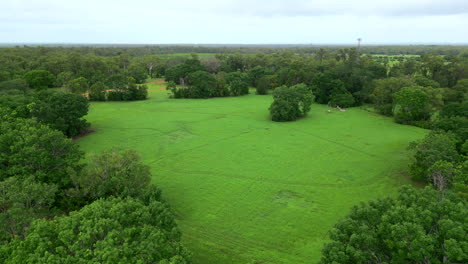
(358, 49)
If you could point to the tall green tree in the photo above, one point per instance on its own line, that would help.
(62, 111)
(118, 173)
(238, 83)
(418, 226)
(436, 146)
(39, 79)
(78, 85)
(382, 95)
(28, 148)
(111, 230)
(411, 104)
(290, 103)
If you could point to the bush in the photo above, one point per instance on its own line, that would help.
(113, 172)
(78, 85)
(97, 92)
(265, 83)
(290, 103)
(454, 109)
(342, 98)
(238, 83)
(202, 84)
(115, 96)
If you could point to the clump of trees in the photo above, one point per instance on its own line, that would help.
(418, 226)
(411, 105)
(290, 103)
(266, 83)
(114, 230)
(201, 84)
(62, 111)
(55, 209)
(39, 79)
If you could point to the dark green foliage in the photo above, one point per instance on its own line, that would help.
(222, 89)
(411, 104)
(78, 85)
(62, 111)
(97, 92)
(382, 95)
(425, 82)
(18, 86)
(28, 148)
(454, 109)
(238, 83)
(265, 83)
(255, 74)
(128, 91)
(117, 82)
(23, 199)
(323, 84)
(341, 97)
(458, 125)
(63, 78)
(202, 84)
(290, 103)
(136, 92)
(436, 146)
(419, 226)
(19, 105)
(180, 72)
(115, 230)
(39, 79)
(113, 172)
(138, 72)
(458, 93)
(442, 175)
(176, 91)
(460, 181)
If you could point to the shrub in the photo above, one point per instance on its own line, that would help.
(290, 103)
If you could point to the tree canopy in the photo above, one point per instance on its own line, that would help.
(418, 226)
(114, 230)
(290, 103)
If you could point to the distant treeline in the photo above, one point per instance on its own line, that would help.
(140, 50)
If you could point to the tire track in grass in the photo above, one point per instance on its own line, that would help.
(202, 146)
(334, 142)
(368, 182)
(236, 242)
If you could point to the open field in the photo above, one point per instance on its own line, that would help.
(249, 190)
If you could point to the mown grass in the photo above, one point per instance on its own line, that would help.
(249, 190)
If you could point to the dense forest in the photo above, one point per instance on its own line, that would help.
(56, 208)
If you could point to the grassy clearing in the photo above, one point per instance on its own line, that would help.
(246, 189)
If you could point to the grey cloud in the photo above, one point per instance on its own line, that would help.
(338, 7)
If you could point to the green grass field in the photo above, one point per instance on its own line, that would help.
(249, 190)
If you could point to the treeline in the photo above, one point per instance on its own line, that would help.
(141, 50)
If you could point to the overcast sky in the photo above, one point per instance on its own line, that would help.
(234, 21)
